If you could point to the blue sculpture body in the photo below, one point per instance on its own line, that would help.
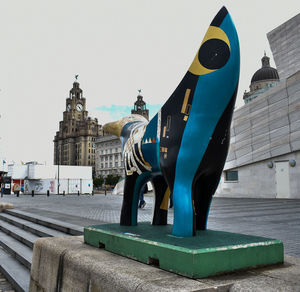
(182, 150)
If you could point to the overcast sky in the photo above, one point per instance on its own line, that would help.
(116, 47)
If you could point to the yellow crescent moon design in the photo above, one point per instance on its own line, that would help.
(213, 32)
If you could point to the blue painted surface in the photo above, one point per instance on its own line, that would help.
(151, 150)
(212, 94)
(141, 180)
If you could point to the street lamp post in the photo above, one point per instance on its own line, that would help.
(57, 160)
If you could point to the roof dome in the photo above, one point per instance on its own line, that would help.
(266, 72)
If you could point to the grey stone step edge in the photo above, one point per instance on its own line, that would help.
(68, 228)
(17, 249)
(18, 233)
(35, 228)
(17, 274)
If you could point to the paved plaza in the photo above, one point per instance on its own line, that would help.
(272, 218)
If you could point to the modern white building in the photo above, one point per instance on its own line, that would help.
(53, 178)
(264, 153)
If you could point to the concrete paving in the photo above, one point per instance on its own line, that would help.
(272, 218)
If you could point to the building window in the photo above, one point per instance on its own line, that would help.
(231, 175)
(116, 164)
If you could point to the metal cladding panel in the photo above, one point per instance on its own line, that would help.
(280, 132)
(283, 149)
(261, 146)
(36, 171)
(293, 88)
(256, 139)
(17, 171)
(295, 126)
(242, 127)
(281, 94)
(294, 98)
(261, 155)
(295, 145)
(278, 105)
(284, 42)
(274, 120)
(74, 172)
(258, 104)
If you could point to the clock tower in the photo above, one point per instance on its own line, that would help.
(140, 107)
(74, 143)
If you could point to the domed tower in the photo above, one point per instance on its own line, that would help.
(140, 107)
(262, 80)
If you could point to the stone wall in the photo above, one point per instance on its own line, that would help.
(285, 45)
(257, 180)
(265, 130)
(268, 126)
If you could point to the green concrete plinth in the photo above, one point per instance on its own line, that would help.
(208, 253)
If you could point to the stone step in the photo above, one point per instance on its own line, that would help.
(65, 227)
(34, 228)
(17, 274)
(18, 233)
(17, 249)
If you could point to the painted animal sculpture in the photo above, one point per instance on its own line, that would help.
(182, 150)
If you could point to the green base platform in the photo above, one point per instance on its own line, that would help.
(209, 253)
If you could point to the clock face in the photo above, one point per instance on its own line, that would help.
(68, 107)
(79, 107)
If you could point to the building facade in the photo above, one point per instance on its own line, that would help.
(285, 45)
(263, 79)
(109, 158)
(74, 143)
(264, 154)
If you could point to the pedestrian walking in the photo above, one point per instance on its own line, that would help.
(142, 202)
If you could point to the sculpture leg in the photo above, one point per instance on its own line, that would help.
(132, 188)
(126, 212)
(161, 201)
(203, 190)
(183, 209)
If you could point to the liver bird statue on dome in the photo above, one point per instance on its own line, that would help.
(182, 150)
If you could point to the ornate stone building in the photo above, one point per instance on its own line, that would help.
(109, 158)
(263, 79)
(74, 143)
